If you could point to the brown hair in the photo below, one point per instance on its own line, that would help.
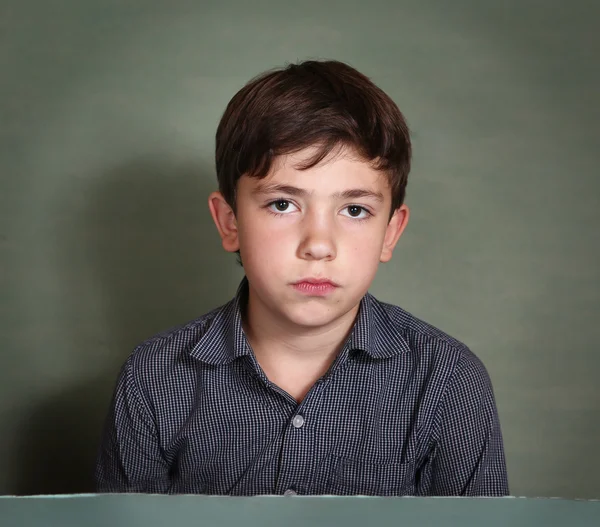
(323, 104)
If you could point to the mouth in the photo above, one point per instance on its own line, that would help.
(315, 286)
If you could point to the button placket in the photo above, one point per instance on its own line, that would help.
(298, 421)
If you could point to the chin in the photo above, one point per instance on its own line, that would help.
(313, 317)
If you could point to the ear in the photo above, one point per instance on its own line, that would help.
(224, 218)
(393, 231)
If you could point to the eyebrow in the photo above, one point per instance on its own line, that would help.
(354, 193)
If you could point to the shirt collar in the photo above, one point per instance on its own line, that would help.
(374, 333)
(224, 341)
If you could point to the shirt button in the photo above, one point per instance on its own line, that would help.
(290, 492)
(298, 421)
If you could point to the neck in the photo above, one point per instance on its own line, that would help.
(266, 329)
(293, 357)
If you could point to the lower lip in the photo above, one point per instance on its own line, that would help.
(310, 289)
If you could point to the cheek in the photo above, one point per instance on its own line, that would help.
(263, 238)
(264, 248)
(366, 244)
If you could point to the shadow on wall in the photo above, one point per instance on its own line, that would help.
(142, 250)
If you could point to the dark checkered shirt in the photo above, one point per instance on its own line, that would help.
(404, 410)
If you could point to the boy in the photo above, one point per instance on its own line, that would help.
(305, 383)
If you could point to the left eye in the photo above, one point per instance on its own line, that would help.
(355, 211)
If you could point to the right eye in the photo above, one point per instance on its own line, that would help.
(282, 206)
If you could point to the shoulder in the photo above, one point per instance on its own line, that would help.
(434, 347)
(417, 331)
(165, 351)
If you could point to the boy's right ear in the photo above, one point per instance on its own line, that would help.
(224, 218)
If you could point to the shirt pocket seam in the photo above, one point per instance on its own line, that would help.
(377, 478)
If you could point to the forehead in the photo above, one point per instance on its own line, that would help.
(340, 170)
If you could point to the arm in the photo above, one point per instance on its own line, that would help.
(130, 457)
(468, 454)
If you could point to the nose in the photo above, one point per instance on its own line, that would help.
(318, 240)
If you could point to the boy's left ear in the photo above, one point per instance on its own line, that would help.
(393, 231)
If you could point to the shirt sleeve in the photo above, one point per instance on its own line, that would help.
(467, 458)
(130, 458)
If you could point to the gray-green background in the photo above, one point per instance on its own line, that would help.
(107, 118)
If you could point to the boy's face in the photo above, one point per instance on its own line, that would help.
(296, 228)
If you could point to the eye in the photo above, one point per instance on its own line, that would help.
(282, 206)
(356, 211)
